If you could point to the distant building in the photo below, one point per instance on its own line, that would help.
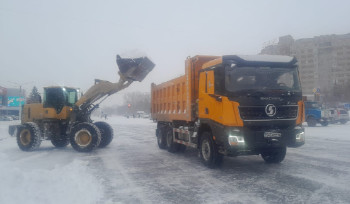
(11, 101)
(323, 60)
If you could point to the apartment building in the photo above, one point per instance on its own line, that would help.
(324, 61)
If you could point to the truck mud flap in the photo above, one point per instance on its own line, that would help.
(135, 69)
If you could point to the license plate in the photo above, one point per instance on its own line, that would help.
(272, 134)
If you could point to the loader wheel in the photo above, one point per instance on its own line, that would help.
(60, 140)
(161, 138)
(275, 155)
(29, 137)
(171, 145)
(209, 152)
(106, 133)
(85, 137)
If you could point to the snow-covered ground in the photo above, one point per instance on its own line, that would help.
(132, 169)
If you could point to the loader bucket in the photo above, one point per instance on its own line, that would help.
(135, 69)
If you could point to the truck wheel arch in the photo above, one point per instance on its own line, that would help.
(203, 128)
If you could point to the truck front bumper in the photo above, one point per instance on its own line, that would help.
(244, 141)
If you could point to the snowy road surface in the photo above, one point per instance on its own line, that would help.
(132, 169)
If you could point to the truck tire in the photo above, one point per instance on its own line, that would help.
(60, 140)
(208, 151)
(324, 123)
(171, 145)
(106, 133)
(161, 138)
(274, 155)
(28, 137)
(311, 122)
(85, 137)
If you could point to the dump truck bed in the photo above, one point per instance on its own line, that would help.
(176, 99)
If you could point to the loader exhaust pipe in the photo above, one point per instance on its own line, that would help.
(134, 69)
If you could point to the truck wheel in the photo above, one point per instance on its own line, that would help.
(311, 122)
(208, 151)
(274, 155)
(343, 121)
(171, 145)
(85, 137)
(60, 140)
(106, 133)
(161, 139)
(29, 137)
(324, 123)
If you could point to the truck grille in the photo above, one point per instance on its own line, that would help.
(258, 112)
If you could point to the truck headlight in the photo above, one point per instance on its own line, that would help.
(300, 137)
(234, 140)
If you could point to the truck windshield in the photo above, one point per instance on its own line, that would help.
(261, 78)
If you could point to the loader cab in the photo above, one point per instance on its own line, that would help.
(59, 97)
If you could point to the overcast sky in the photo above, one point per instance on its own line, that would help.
(71, 43)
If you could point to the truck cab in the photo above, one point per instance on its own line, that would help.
(256, 99)
(316, 114)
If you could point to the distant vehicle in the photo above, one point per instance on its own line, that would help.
(15, 117)
(315, 114)
(339, 115)
(146, 116)
(5, 118)
(140, 114)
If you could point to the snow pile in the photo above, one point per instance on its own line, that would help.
(47, 176)
(63, 184)
(121, 120)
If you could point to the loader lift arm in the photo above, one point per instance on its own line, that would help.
(130, 70)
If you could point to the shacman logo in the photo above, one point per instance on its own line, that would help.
(270, 110)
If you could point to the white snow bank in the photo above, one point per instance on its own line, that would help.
(63, 184)
(120, 120)
(47, 176)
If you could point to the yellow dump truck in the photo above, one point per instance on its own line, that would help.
(231, 105)
(64, 117)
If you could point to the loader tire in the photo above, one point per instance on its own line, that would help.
(28, 137)
(275, 155)
(106, 133)
(85, 137)
(60, 141)
(208, 151)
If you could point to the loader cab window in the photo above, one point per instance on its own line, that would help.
(59, 97)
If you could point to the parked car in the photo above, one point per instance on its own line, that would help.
(5, 118)
(339, 115)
